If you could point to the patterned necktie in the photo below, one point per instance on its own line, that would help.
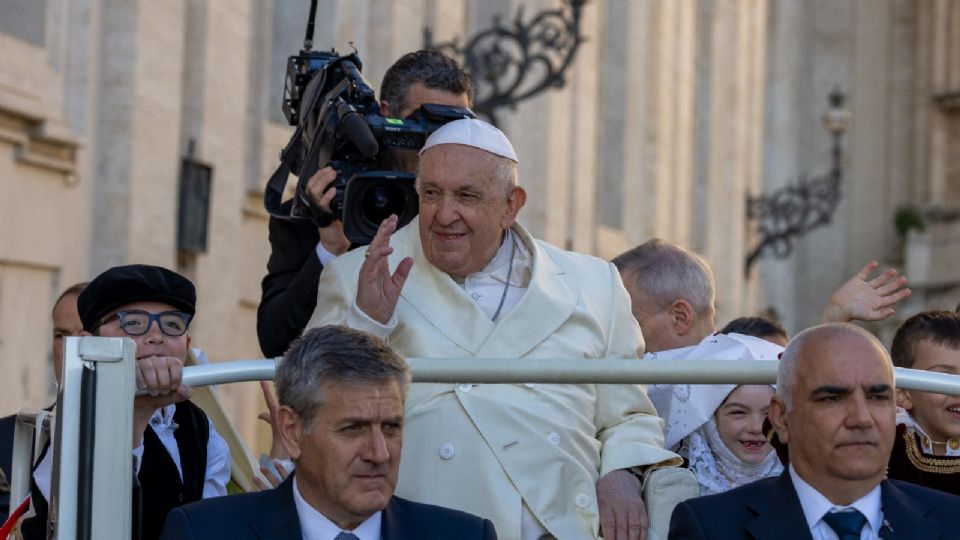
(346, 536)
(846, 524)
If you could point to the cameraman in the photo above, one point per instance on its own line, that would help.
(298, 249)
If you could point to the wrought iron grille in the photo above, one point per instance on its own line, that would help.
(515, 62)
(792, 211)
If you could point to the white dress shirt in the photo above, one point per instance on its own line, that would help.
(324, 255)
(316, 526)
(815, 506)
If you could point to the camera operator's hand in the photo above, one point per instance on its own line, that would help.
(378, 290)
(331, 236)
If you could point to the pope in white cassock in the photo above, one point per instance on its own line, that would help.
(469, 281)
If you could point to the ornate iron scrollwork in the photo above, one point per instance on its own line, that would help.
(794, 210)
(791, 212)
(513, 63)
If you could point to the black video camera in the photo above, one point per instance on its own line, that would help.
(339, 124)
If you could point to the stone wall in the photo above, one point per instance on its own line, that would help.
(672, 113)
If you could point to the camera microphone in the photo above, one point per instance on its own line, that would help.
(357, 130)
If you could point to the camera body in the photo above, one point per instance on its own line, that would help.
(339, 124)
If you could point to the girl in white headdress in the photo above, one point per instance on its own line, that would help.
(718, 428)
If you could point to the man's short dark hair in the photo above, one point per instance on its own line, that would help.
(336, 354)
(760, 327)
(430, 67)
(942, 328)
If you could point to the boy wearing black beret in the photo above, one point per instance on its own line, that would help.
(180, 456)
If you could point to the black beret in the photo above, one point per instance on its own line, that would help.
(122, 285)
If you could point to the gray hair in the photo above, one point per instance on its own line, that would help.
(505, 173)
(787, 369)
(666, 272)
(334, 354)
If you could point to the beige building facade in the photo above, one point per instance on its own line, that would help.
(672, 113)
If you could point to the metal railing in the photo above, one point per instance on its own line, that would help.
(95, 408)
(571, 371)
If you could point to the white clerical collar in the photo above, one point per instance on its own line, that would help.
(316, 526)
(511, 253)
(815, 505)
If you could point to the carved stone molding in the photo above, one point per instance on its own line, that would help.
(38, 144)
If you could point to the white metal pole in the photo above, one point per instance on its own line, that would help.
(571, 371)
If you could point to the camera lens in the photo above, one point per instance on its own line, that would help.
(380, 200)
(371, 196)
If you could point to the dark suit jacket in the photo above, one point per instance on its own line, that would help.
(272, 514)
(7, 425)
(770, 509)
(289, 290)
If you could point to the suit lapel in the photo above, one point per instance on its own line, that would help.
(904, 515)
(547, 303)
(278, 516)
(779, 514)
(390, 524)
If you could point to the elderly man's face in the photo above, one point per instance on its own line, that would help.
(841, 428)
(655, 321)
(348, 457)
(464, 208)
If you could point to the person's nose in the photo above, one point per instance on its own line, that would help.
(377, 450)
(447, 212)
(755, 424)
(858, 413)
(154, 334)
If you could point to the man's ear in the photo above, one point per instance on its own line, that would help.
(385, 109)
(291, 430)
(904, 400)
(515, 201)
(682, 316)
(777, 413)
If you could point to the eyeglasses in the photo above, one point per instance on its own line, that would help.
(136, 322)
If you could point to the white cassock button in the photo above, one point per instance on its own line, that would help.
(554, 438)
(466, 387)
(476, 296)
(447, 451)
(582, 501)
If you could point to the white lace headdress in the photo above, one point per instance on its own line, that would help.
(687, 411)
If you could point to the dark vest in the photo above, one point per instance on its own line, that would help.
(160, 486)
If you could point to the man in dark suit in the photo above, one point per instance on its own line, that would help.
(835, 408)
(341, 393)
